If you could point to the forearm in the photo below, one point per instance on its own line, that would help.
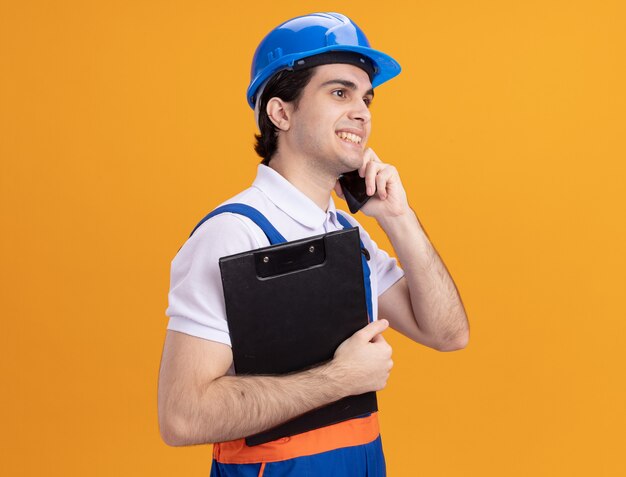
(437, 306)
(232, 407)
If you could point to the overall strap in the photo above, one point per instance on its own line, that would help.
(257, 217)
(366, 269)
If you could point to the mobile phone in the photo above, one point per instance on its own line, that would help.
(353, 187)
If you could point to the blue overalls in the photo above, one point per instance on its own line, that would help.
(352, 448)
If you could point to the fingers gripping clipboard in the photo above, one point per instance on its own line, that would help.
(289, 307)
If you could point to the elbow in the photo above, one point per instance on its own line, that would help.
(455, 343)
(178, 430)
(175, 425)
(173, 430)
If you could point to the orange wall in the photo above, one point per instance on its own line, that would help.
(123, 122)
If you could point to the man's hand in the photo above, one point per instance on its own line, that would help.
(388, 197)
(363, 362)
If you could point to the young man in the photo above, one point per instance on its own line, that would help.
(312, 83)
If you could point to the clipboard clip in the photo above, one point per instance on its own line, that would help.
(290, 257)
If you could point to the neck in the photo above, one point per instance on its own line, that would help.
(312, 181)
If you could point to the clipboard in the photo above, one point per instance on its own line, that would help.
(289, 306)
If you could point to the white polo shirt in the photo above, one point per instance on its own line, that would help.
(196, 298)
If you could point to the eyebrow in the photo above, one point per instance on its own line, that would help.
(348, 84)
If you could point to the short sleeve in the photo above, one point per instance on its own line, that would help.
(196, 298)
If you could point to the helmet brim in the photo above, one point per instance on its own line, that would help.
(386, 67)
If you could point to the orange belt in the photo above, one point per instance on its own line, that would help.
(344, 434)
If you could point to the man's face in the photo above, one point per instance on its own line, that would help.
(332, 122)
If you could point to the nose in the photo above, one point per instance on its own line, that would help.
(360, 111)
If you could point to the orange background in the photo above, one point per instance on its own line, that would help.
(124, 122)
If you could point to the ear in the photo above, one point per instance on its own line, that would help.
(279, 113)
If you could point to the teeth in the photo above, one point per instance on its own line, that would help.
(349, 137)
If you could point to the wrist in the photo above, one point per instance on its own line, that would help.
(402, 222)
(334, 375)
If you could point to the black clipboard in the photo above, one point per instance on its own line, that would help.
(289, 307)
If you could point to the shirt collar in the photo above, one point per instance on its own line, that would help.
(290, 199)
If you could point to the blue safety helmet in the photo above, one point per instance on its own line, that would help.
(292, 43)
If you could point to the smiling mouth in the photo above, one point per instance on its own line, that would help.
(349, 137)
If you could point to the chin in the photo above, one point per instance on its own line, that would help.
(352, 163)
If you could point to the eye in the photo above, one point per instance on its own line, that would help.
(368, 101)
(340, 93)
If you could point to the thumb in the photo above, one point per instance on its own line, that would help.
(375, 328)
